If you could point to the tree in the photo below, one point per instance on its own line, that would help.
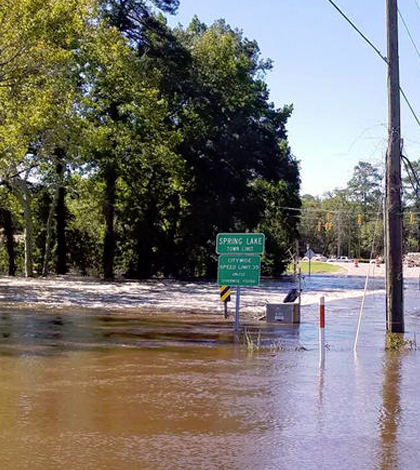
(38, 100)
(113, 103)
(170, 131)
(365, 187)
(7, 224)
(232, 139)
(346, 220)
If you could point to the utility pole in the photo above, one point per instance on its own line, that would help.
(393, 222)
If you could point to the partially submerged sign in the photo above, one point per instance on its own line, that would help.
(235, 270)
(238, 243)
(239, 262)
(224, 293)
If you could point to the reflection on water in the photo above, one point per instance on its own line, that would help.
(390, 411)
(43, 333)
(156, 392)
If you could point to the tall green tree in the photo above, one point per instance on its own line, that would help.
(118, 92)
(233, 138)
(346, 221)
(365, 187)
(37, 64)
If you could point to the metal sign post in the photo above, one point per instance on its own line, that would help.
(238, 301)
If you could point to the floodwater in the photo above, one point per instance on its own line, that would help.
(85, 389)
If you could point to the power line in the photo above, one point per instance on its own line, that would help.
(417, 5)
(358, 30)
(418, 55)
(410, 107)
(412, 175)
(409, 33)
(379, 54)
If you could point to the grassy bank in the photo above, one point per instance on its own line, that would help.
(317, 267)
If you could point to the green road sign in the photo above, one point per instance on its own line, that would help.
(238, 243)
(239, 270)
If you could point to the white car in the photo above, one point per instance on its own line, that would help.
(340, 259)
(345, 259)
(315, 258)
(319, 258)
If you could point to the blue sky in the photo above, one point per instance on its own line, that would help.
(335, 81)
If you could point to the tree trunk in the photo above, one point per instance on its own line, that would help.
(61, 266)
(144, 253)
(21, 191)
(8, 231)
(27, 214)
(169, 265)
(109, 211)
(48, 233)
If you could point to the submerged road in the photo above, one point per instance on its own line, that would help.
(90, 379)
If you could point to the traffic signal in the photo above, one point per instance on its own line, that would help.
(411, 218)
(359, 219)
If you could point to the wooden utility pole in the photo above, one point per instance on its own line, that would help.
(393, 222)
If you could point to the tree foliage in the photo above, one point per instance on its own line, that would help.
(127, 146)
(347, 221)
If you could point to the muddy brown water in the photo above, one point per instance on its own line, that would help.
(87, 389)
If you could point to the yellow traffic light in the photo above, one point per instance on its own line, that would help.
(411, 218)
(359, 219)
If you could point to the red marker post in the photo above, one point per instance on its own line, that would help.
(321, 330)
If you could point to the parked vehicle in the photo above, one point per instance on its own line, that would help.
(412, 259)
(340, 259)
(320, 258)
(345, 259)
(315, 258)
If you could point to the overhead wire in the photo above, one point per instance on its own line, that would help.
(407, 29)
(417, 5)
(412, 175)
(379, 54)
(410, 107)
(350, 212)
(358, 30)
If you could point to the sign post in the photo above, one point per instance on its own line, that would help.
(225, 297)
(238, 301)
(239, 262)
